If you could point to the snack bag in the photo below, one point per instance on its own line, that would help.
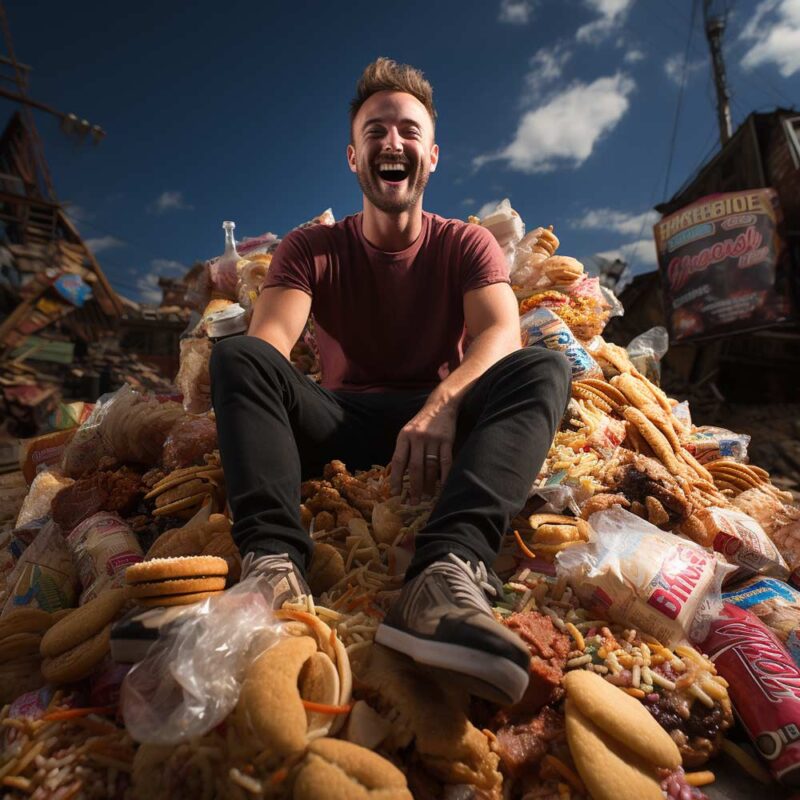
(44, 576)
(764, 685)
(104, 546)
(637, 575)
(46, 485)
(646, 351)
(743, 542)
(542, 328)
(709, 443)
(776, 604)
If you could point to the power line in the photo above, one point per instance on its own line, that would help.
(674, 137)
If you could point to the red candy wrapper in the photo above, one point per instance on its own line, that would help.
(764, 687)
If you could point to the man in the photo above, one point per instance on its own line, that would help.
(393, 290)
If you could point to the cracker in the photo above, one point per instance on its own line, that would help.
(77, 662)
(25, 620)
(621, 717)
(83, 622)
(18, 645)
(179, 567)
(178, 586)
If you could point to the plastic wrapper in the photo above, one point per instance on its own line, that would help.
(743, 543)
(46, 485)
(560, 497)
(44, 575)
(191, 677)
(251, 278)
(646, 351)
(776, 604)
(708, 443)
(542, 328)
(14, 543)
(764, 686)
(507, 227)
(193, 379)
(86, 448)
(103, 546)
(188, 441)
(641, 577)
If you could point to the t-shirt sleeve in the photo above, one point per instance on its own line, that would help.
(292, 264)
(483, 261)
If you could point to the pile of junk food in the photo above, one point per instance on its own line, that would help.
(650, 574)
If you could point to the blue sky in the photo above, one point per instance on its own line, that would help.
(238, 111)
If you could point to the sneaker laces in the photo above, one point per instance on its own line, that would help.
(481, 582)
(279, 564)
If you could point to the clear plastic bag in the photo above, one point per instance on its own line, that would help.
(709, 443)
(507, 227)
(646, 351)
(640, 576)
(191, 677)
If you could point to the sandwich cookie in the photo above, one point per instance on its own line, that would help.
(176, 581)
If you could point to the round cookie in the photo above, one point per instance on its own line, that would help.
(79, 661)
(18, 645)
(25, 620)
(621, 717)
(180, 567)
(174, 599)
(83, 623)
(177, 586)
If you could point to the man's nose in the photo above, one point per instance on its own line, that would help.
(393, 142)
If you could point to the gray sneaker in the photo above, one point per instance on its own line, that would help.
(442, 618)
(283, 578)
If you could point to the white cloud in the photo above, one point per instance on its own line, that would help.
(673, 67)
(617, 221)
(103, 243)
(468, 201)
(149, 290)
(515, 12)
(774, 34)
(639, 255)
(632, 56)
(612, 14)
(169, 201)
(547, 66)
(564, 131)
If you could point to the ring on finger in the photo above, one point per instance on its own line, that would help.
(431, 457)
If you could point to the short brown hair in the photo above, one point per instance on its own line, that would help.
(384, 75)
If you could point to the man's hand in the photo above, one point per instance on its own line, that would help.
(424, 448)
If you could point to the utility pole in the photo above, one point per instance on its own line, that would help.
(715, 25)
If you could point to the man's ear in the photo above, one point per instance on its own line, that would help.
(434, 157)
(351, 158)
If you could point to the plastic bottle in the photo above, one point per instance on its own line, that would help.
(223, 270)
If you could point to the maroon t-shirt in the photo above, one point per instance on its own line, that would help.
(388, 321)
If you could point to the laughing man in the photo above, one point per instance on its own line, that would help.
(395, 292)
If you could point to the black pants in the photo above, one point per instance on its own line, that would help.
(276, 427)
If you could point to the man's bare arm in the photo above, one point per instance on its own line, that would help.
(279, 316)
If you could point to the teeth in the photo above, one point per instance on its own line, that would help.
(391, 167)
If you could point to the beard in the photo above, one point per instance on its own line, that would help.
(388, 201)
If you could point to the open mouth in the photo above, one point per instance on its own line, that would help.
(393, 173)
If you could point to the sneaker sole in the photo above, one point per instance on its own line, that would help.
(489, 676)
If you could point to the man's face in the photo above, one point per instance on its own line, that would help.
(393, 151)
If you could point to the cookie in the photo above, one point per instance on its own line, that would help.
(25, 620)
(621, 717)
(181, 567)
(609, 770)
(18, 645)
(269, 701)
(177, 586)
(79, 661)
(83, 623)
(174, 599)
(335, 768)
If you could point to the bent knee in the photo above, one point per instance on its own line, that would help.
(237, 356)
(541, 361)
